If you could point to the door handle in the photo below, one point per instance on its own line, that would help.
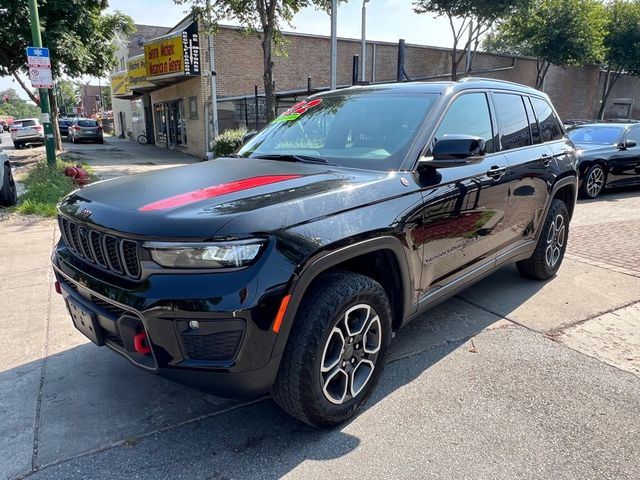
(496, 172)
(545, 159)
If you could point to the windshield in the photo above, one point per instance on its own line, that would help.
(368, 131)
(595, 135)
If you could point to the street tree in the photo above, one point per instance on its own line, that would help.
(263, 18)
(79, 35)
(622, 44)
(555, 32)
(13, 106)
(469, 21)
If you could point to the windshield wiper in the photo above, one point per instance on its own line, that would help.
(292, 158)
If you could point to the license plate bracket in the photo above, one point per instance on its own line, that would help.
(85, 321)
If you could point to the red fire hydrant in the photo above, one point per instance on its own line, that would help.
(78, 174)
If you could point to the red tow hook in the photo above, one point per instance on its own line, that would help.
(141, 344)
(57, 287)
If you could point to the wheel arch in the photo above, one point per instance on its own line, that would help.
(381, 258)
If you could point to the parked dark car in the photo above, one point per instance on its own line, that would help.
(8, 193)
(287, 268)
(83, 129)
(608, 155)
(63, 125)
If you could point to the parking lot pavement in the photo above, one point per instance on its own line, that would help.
(529, 403)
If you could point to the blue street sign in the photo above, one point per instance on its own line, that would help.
(37, 52)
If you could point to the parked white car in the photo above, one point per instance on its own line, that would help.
(27, 130)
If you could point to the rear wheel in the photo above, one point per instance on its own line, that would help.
(549, 252)
(17, 145)
(8, 193)
(593, 182)
(337, 349)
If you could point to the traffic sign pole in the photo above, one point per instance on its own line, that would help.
(44, 93)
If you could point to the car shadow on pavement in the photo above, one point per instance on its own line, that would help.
(89, 398)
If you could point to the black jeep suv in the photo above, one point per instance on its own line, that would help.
(287, 267)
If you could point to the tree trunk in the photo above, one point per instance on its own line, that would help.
(454, 63)
(267, 77)
(542, 68)
(609, 82)
(24, 87)
(53, 102)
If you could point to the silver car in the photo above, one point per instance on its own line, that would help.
(26, 130)
(85, 129)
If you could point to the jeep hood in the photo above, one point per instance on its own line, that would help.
(196, 201)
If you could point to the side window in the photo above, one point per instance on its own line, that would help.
(634, 134)
(533, 123)
(550, 129)
(468, 115)
(512, 121)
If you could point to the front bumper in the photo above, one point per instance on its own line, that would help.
(229, 354)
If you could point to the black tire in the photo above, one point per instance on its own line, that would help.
(593, 182)
(298, 388)
(550, 249)
(8, 193)
(142, 139)
(17, 145)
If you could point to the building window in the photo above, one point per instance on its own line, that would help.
(193, 108)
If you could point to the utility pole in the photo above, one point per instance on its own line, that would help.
(44, 94)
(363, 53)
(334, 44)
(212, 68)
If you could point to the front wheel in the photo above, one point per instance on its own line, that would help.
(552, 243)
(337, 349)
(142, 139)
(593, 182)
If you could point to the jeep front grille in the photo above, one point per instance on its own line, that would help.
(111, 253)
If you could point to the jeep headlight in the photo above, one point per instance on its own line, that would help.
(232, 254)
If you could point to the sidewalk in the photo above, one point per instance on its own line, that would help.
(549, 388)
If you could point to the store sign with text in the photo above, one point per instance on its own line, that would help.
(137, 72)
(173, 56)
(119, 84)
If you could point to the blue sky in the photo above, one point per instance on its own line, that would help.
(387, 20)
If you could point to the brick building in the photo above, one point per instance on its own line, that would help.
(177, 102)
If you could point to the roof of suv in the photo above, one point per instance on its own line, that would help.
(438, 87)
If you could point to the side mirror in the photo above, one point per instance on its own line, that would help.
(630, 144)
(457, 150)
(248, 136)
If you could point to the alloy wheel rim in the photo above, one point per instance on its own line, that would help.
(350, 353)
(555, 241)
(595, 182)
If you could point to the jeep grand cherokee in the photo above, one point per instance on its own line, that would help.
(286, 268)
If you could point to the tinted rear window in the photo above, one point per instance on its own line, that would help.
(512, 118)
(550, 128)
(29, 123)
(87, 123)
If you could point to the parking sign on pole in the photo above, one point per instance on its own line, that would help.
(39, 67)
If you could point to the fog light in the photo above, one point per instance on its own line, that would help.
(194, 324)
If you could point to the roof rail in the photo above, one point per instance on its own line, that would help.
(485, 79)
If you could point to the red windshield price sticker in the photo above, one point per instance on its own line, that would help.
(297, 110)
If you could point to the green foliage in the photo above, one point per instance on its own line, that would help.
(46, 186)
(262, 18)
(622, 37)
(78, 33)
(68, 92)
(16, 107)
(228, 142)
(558, 32)
(622, 44)
(475, 18)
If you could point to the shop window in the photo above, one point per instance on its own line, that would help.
(193, 108)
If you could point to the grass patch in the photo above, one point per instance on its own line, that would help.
(46, 186)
